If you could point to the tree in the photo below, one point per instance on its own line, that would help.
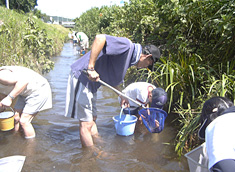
(21, 5)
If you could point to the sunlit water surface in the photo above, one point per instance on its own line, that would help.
(57, 145)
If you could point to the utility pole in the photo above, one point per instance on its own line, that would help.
(7, 4)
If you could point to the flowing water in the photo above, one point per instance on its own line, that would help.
(57, 146)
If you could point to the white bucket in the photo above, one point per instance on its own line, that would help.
(197, 159)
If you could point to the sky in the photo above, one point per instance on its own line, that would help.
(72, 8)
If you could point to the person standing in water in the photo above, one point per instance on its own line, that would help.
(83, 41)
(33, 95)
(108, 60)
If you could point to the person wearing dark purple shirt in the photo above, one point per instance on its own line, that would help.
(108, 60)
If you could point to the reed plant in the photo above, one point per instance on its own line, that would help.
(189, 83)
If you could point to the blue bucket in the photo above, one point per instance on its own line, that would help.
(153, 119)
(125, 126)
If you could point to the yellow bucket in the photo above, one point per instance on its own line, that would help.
(6, 121)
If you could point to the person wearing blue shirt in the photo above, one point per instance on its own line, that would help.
(108, 60)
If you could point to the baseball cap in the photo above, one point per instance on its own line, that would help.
(159, 98)
(152, 49)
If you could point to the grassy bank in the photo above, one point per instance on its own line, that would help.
(28, 41)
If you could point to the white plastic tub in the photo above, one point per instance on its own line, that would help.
(197, 159)
(12, 163)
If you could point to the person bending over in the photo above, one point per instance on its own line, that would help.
(33, 95)
(144, 93)
(217, 129)
(108, 60)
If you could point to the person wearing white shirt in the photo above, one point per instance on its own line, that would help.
(146, 94)
(83, 41)
(217, 129)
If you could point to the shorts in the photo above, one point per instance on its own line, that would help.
(38, 100)
(85, 104)
(84, 44)
(80, 101)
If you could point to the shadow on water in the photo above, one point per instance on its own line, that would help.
(57, 145)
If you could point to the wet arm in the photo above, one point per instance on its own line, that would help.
(19, 87)
(8, 78)
(97, 46)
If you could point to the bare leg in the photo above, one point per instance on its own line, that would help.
(86, 133)
(94, 130)
(17, 120)
(25, 122)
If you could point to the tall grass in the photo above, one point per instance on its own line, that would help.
(189, 82)
(27, 41)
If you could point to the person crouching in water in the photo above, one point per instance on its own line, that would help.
(144, 93)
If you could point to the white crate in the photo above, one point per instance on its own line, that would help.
(197, 159)
(12, 163)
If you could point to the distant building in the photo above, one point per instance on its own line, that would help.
(66, 22)
(56, 22)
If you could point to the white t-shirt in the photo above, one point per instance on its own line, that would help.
(137, 91)
(82, 36)
(220, 139)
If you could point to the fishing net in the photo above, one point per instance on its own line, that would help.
(153, 119)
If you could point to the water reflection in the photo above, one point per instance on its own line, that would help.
(57, 145)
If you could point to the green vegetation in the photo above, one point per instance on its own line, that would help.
(20, 5)
(197, 40)
(26, 40)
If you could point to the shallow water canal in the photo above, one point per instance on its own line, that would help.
(57, 146)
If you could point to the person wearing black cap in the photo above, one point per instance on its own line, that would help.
(108, 60)
(144, 93)
(217, 129)
(154, 51)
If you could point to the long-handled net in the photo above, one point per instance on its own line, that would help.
(153, 119)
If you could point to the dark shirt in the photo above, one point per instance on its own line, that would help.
(112, 63)
(229, 110)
